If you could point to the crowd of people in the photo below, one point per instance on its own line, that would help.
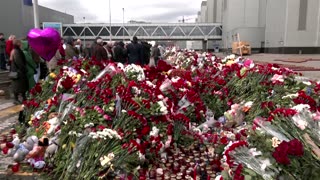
(17, 56)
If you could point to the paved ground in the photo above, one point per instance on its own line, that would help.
(306, 60)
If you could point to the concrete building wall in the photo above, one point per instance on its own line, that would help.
(210, 11)
(275, 23)
(11, 18)
(262, 13)
(243, 17)
(302, 38)
(204, 16)
(219, 11)
(17, 18)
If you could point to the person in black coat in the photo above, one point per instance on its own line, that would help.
(155, 54)
(19, 64)
(135, 52)
(146, 52)
(120, 53)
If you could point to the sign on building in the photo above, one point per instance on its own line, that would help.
(55, 25)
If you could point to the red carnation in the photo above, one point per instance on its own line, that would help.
(224, 140)
(281, 157)
(145, 130)
(9, 145)
(296, 148)
(67, 83)
(101, 127)
(281, 153)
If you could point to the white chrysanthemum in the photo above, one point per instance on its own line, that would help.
(88, 125)
(248, 104)
(175, 79)
(163, 108)
(155, 131)
(308, 83)
(301, 107)
(150, 84)
(72, 133)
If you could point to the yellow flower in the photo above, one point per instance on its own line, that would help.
(72, 145)
(230, 62)
(275, 142)
(105, 160)
(64, 146)
(53, 75)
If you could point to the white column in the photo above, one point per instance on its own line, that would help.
(36, 14)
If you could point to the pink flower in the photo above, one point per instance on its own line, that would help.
(277, 77)
(106, 117)
(316, 116)
(248, 63)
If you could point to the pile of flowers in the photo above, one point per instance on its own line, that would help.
(193, 116)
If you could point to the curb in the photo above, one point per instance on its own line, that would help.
(19, 176)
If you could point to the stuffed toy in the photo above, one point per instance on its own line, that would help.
(24, 148)
(234, 116)
(53, 147)
(53, 122)
(15, 142)
(36, 155)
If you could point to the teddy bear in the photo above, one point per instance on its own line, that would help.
(53, 147)
(15, 142)
(53, 122)
(235, 116)
(36, 155)
(24, 148)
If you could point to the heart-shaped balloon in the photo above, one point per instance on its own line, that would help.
(44, 42)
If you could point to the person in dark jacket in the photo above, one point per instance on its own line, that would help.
(2, 52)
(93, 48)
(146, 52)
(135, 52)
(120, 53)
(155, 54)
(70, 49)
(19, 64)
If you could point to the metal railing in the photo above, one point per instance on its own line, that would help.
(169, 31)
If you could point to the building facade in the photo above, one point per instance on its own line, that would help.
(246, 17)
(16, 17)
(204, 15)
(292, 26)
(272, 26)
(214, 11)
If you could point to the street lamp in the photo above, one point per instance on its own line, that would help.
(84, 32)
(110, 19)
(36, 14)
(123, 23)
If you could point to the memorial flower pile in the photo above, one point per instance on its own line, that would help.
(193, 116)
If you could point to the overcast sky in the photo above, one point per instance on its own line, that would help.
(97, 11)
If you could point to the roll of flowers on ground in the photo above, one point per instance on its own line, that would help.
(194, 116)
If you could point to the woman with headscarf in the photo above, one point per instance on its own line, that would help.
(20, 85)
(70, 51)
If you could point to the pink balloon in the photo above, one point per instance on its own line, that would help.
(44, 42)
